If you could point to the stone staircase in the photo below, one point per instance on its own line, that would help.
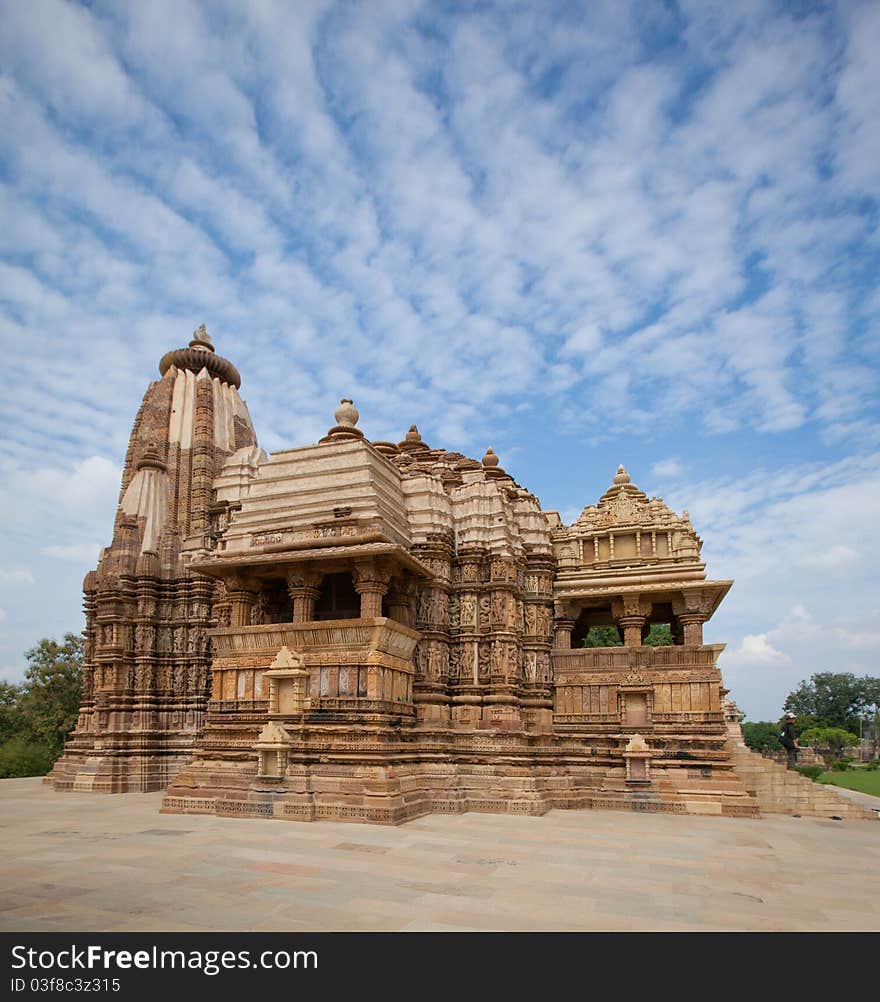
(781, 791)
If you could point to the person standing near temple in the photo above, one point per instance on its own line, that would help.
(788, 740)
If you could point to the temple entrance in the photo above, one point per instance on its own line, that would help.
(338, 598)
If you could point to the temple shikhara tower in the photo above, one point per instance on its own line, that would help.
(146, 679)
(373, 631)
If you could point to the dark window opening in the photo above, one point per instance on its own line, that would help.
(338, 598)
(276, 605)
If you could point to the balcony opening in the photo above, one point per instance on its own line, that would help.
(276, 605)
(596, 628)
(659, 635)
(338, 598)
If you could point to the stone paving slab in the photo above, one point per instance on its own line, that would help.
(87, 862)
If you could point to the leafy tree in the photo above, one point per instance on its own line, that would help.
(21, 757)
(836, 699)
(49, 703)
(36, 716)
(603, 636)
(761, 735)
(10, 721)
(835, 738)
(660, 635)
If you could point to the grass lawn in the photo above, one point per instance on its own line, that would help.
(860, 779)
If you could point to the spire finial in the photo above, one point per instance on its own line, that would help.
(346, 414)
(201, 339)
(490, 460)
(622, 477)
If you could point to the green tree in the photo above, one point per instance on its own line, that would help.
(836, 699)
(761, 735)
(49, 703)
(603, 636)
(10, 719)
(835, 738)
(660, 635)
(21, 757)
(37, 715)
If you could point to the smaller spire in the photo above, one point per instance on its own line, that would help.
(491, 469)
(412, 442)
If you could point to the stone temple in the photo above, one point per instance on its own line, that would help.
(373, 631)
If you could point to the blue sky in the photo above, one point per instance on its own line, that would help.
(582, 233)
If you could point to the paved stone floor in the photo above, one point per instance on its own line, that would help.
(84, 862)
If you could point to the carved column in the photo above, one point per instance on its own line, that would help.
(432, 619)
(498, 638)
(402, 600)
(631, 615)
(692, 628)
(371, 580)
(563, 624)
(243, 595)
(303, 586)
(146, 711)
(465, 687)
(692, 609)
(538, 636)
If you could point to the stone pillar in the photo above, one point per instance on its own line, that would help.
(243, 594)
(465, 688)
(501, 704)
(431, 617)
(692, 628)
(562, 630)
(632, 627)
(371, 580)
(631, 614)
(303, 587)
(401, 601)
(538, 636)
(692, 609)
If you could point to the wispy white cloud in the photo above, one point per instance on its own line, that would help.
(667, 468)
(755, 649)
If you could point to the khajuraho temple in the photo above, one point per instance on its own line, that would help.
(373, 631)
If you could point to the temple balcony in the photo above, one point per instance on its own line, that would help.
(630, 689)
(354, 665)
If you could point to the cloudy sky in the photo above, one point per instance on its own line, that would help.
(583, 233)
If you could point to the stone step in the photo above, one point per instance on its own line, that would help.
(779, 790)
